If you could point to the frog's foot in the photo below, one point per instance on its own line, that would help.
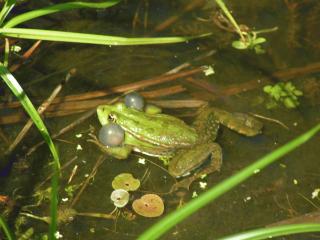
(121, 152)
(214, 165)
(239, 122)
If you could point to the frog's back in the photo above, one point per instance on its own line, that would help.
(159, 129)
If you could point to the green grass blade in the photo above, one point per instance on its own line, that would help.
(6, 230)
(88, 38)
(57, 8)
(8, 5)
(230, 17)
(28, 106)
(172, 219)
(266, 233)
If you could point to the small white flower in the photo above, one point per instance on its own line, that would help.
(295, 181)
(208, 71)
(203, 185)
(65, 199)
(315, 193)
(86, 175)
(194, 194)
(142, 161)
(247, 199)
(58, 235)
(79, 148)
(78, 135)
(84, 161)
(15, 48)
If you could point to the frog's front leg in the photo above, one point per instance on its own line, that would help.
(121, 152)
(215, 162)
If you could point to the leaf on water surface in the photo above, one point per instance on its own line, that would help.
(149, 205)
(120, 197)
(125, 181)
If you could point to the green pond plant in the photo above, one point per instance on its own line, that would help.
(8, 29)
(285, 93)
(248, 38)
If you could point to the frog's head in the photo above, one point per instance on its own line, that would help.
(106, 113)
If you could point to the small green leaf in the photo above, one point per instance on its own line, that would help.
(289, 103)
(239, 45)
(267, 89)
(259, 40)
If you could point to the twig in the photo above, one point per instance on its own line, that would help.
(271, 120)
(119, 89)
(62, 168)
(86, 182)
(26, 55)
(187, 8)
(97, 215)
(67, 128)
(41, 109)
(4, 137)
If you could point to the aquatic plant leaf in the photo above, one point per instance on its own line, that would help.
(149, 205)
(239, 45)
(125, 181)
(258, 40)
(120, 197)
(75, 37)
(57, 8)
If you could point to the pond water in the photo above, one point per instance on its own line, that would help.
(281, 191)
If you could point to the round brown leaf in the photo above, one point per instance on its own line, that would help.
(149, 205)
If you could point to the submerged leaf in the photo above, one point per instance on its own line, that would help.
(126, 181)
(149, 205)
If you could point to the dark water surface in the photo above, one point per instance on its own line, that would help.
(276, 193)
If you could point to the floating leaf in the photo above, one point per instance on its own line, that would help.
(149, 205)
(120, 197)
(125, 181)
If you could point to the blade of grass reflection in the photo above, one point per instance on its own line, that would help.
(172, 219)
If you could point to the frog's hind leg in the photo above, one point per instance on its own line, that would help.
(239, 122)
(213, 166)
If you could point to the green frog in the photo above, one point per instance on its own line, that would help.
(185, 147)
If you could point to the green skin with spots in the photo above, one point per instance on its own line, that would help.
(167, 137)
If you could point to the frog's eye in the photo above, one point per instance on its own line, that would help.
(111, 117)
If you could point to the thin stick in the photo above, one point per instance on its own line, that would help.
(61, 169)
(26, 55)
(69, 127)
(271, 120)
(86, 182)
